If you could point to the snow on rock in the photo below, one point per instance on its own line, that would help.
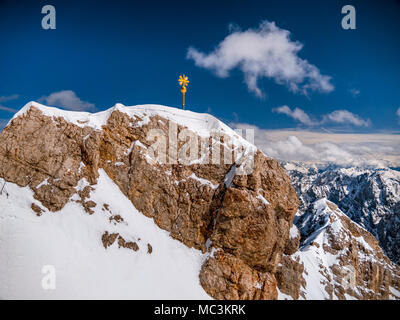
(201, 123)
(370, 197)
(341, 259)
(70, 240)
(263, 200)
(43, 183)
(229, 176)
(283, 296)
(294, 232)
(204, 181)
(199, 212)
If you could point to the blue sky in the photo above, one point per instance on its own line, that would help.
(132, 52)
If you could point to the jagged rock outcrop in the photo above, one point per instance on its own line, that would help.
(290, 278)
(109, 239)
(343, 259)
(370, 197)
(245, 217)
(293, 243)
(226, 277)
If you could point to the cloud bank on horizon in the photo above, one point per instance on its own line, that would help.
(264, 52)
(342, 117)
(371, 150)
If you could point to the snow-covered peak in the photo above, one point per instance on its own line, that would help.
(202, 124)
(370, 197)
(323, 215)
(81, 119)
(337, 253)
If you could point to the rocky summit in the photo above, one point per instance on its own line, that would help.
(155, 202)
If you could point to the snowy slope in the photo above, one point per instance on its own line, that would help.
(316, 260)
(370, 197)
(70, 240)
(337, 255)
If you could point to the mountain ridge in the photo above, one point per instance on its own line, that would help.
(245, 217)
(237, 216)
(370, 197)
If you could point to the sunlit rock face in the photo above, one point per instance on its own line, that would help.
(240, 221)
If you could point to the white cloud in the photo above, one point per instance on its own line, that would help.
(380, 150)
(297, 114)
(8, 109)
(337, 116)
(265, 52)
(8, 98)
(3, 123)
(398, 113)
(67, 99)
(354, 92)
(344, 116)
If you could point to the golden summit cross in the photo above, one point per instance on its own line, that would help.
(183, 82)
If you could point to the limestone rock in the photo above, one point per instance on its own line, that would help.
(289, 276)
(293, 242)
(248, 219)
(226, 277)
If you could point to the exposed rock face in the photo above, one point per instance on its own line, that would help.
(36, 209)
(370, 197)
(347, 258)
(290, 277)
(109, 239)
(247, 218)
(248, 227)
(293, 243)
(226, 277)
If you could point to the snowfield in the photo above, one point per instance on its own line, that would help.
(70, 240)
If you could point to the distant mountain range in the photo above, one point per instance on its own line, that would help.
(369, 197)
(86, 196)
